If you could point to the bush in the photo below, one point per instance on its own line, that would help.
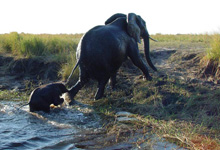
(214, 52)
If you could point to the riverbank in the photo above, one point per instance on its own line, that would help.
(180, 105)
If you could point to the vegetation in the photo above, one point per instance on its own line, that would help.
(29, 45)
(211, 61)
(213, 53)
(57, 48)
(183, 112)
(182, 41)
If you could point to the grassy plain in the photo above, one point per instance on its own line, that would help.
(185, 113)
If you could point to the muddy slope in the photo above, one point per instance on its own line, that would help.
(187, 66)
(184, 65)
(14, 72)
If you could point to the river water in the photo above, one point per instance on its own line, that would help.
(59, 129)
(21, 129)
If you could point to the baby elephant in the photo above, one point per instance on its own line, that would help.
(42, 97)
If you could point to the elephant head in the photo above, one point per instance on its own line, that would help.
(136, 28)
(59, 89)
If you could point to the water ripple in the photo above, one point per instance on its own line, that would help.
(20, 129)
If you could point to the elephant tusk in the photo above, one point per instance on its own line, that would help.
(153, 39)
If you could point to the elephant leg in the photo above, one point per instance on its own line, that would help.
(137, 61)
(101, 88)
(83, 79)
(113, 81)
(32, 108)
(58, 100)
(44, 107)
(75, 89)
(47, 109)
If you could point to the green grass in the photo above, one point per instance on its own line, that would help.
(13, 96)
(213, 53)
(58, 48)
(211, 60)
(29, 45)
(68, 67)
(184, 114)
(181, 41)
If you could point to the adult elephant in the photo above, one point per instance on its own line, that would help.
(103, 49)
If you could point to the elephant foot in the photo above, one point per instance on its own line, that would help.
(73, 102)
(98, 96)
(149, 78)
(69, 98)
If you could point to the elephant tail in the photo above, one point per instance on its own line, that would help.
(67, 81)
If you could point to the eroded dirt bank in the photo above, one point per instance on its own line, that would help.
(184, 65)
(15, 73)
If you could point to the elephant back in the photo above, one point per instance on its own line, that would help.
(102, 50)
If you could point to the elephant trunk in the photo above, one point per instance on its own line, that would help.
(147, 50)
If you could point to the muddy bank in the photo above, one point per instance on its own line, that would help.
(14, 72)
(30, 67)
(188, 66)
(114, 134)
(185, 65)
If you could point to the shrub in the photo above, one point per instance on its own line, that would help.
(213, 53)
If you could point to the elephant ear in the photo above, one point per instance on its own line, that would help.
(133, 28)
(114, 17)
(142, 24)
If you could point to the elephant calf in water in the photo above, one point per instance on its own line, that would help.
(42, 97)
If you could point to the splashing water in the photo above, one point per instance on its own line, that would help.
(21, 129)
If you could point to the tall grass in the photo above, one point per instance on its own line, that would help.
(10, 42)
(67, 69)
(59, 48)
(213, 53)
(29, 45)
